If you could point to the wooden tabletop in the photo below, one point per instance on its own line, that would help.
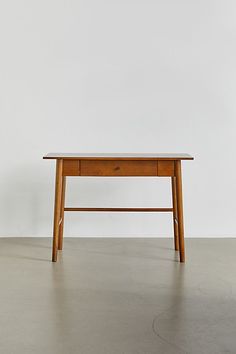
(117, 156)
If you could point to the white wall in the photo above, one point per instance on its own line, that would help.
(117, 76)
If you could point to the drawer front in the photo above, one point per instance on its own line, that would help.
(118, 168)
(71, 168)
(165, 168)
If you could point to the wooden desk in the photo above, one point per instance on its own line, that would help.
(160, 165)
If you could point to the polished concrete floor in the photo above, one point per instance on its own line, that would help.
(117, 296)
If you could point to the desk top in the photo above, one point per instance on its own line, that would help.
(117, 156)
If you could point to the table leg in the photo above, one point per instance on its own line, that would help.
(180, 210)
(61, 228)
(175, 218)
(57, 208)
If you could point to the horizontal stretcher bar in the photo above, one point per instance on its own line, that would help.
(121, 209)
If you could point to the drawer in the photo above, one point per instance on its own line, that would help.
(71, 168)
(165, 168)
(118, 168)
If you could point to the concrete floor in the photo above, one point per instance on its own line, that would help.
(117, 296)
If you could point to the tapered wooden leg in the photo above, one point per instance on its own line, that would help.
(180, 210)
(175, 218)
(61, 228)
(57, 208)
